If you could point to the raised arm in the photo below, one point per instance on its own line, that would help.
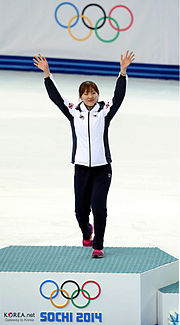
(52, 90)
(120, 88)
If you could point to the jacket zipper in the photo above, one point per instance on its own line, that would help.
(89, 139)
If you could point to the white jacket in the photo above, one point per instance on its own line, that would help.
(89, 127)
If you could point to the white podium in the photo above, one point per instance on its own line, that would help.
(52, 285)
(168, 304)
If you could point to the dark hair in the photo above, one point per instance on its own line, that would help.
(86, 85)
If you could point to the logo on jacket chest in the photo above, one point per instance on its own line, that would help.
(94, 115)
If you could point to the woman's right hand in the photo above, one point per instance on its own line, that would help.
(42, 64)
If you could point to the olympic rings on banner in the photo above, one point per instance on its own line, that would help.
(89, 25)
(79, 39)
(101, 39)
(94, 4)
(67, 296)
(71, 4)
(121, 29)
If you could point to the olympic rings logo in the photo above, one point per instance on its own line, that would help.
(87, 22)
(67, 296)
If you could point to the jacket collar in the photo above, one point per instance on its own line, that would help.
(83, 108)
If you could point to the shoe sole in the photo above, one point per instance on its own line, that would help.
(97, 256)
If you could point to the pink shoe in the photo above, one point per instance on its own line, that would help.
(88, 242)
(97, 253)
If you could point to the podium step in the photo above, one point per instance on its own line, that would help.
(78, 259)
(168, 304)
(172, 288)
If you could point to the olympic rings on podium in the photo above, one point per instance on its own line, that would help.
(67, 296)
(84, 296)
(89, 25)
(62, 290)
(72, 281)
(98, 288)
(50, 281)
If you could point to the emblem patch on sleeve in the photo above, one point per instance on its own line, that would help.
(107, 105)
(70, 105)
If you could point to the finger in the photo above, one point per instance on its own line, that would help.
(36, 64)
(127, 52)
(121, 57)
(35, 61)
(132, 59)
(37, 58)
(40, 56)
(45, 59)
(132, 56)
(132, 53)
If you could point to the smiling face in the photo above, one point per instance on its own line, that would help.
(90, 97)
(89, 93)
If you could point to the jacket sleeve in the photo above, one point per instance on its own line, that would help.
(119, 93)
(64, 105)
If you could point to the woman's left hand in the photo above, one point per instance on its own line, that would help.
(127, 60)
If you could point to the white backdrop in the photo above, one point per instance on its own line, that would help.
(29, 27)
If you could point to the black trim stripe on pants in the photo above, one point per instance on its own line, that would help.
(91, 186)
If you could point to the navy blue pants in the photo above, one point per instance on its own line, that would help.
(91, 186)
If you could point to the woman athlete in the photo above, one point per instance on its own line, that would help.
(89, 121)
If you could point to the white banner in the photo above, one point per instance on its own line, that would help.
(149, 28)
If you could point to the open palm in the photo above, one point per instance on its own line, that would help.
(127, 60)
(41, 63)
